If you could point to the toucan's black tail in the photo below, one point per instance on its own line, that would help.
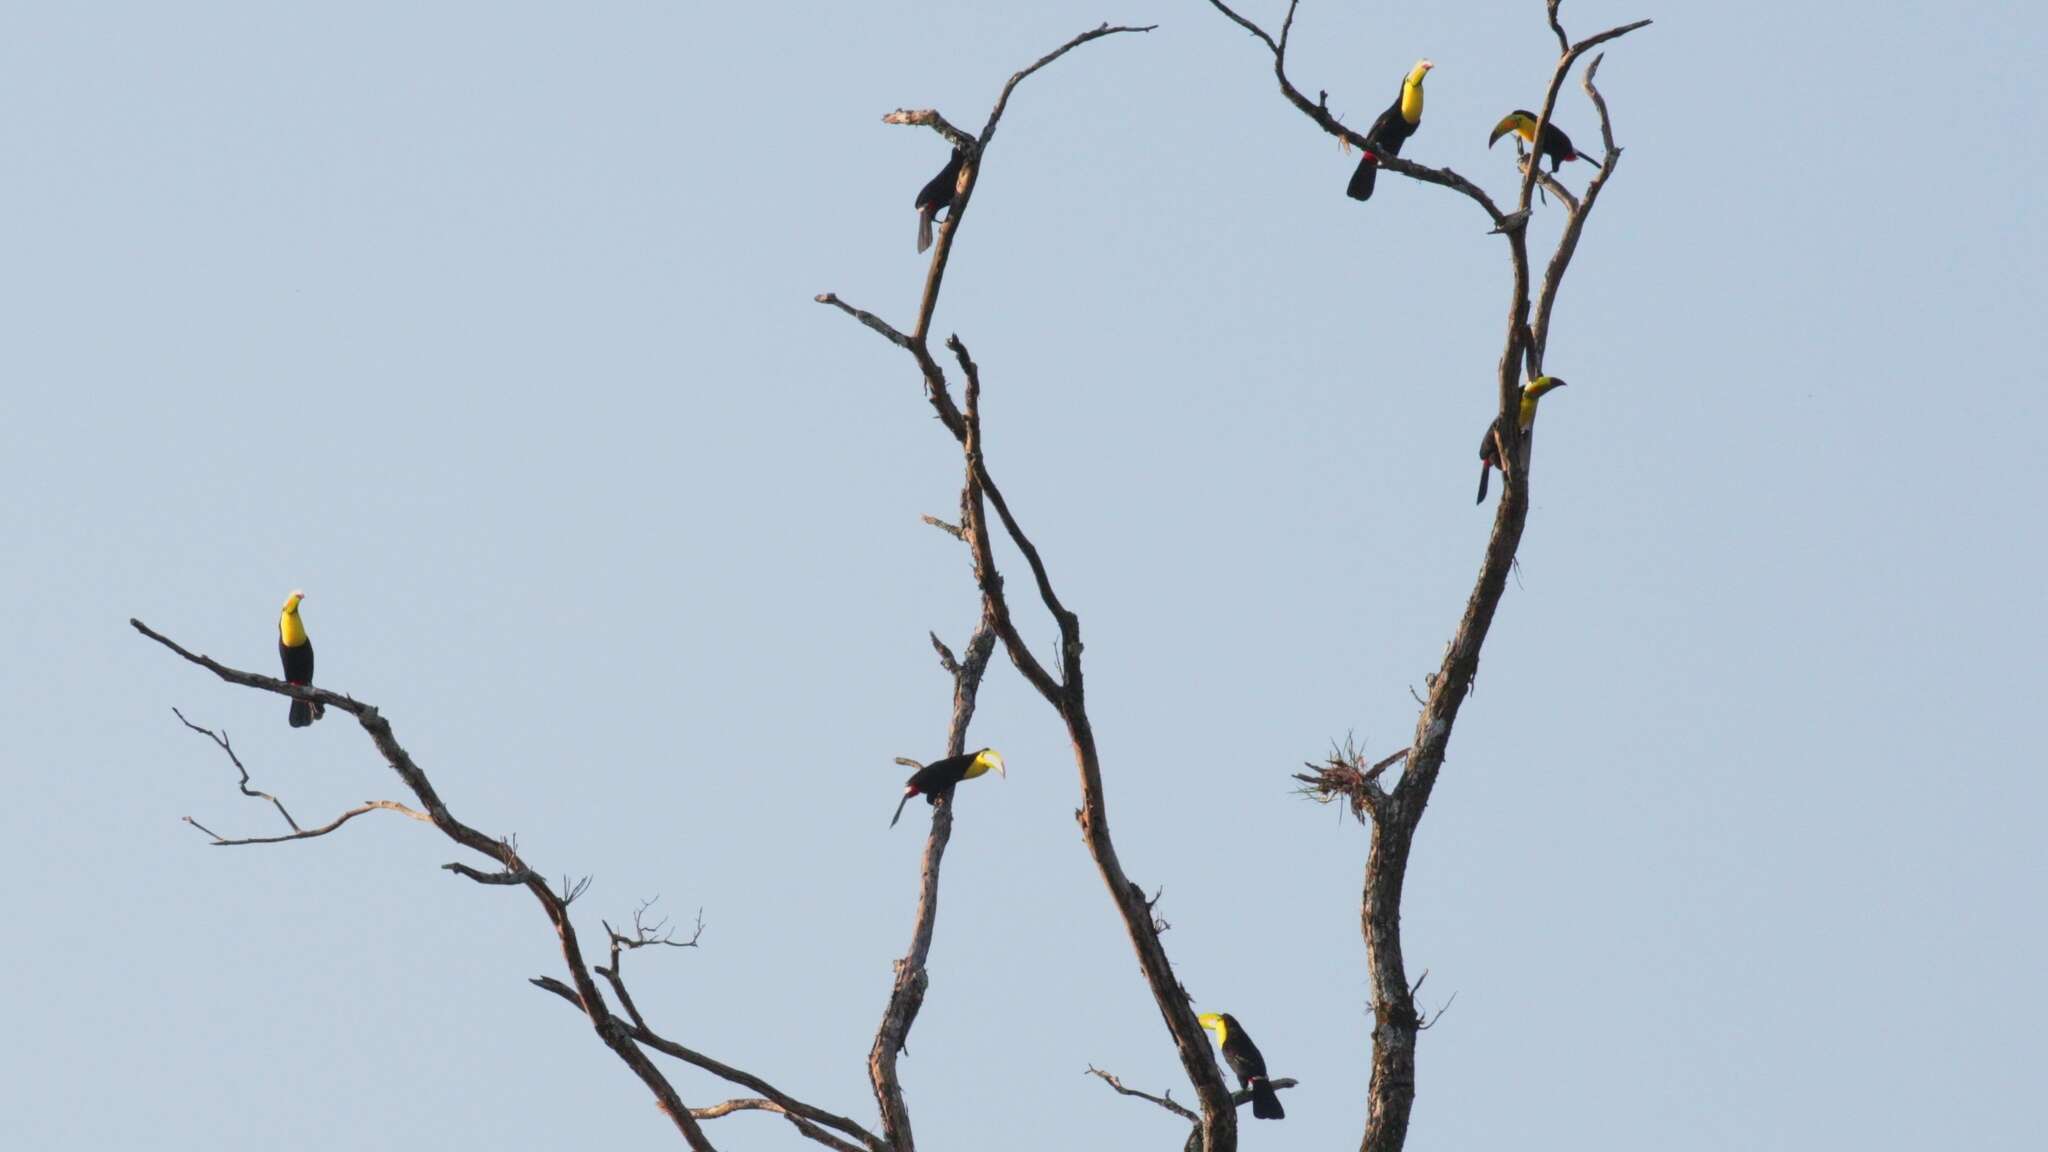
(1485, 467)
(924, 228)
(302, 714)
(1265, 1101)
(907, 794)
(1360, 188)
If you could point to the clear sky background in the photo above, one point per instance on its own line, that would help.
(490, 325)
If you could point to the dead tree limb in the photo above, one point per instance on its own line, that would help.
(1394, 813)
(1239, 1099)
(1064, 690)
(625, 1036)
(906, 995)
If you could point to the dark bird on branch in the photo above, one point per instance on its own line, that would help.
(1489, 448)
(937, 778)
(296, 650)
(1556, 146)
(1389, 132)
(1244, 1059)
(937, 194)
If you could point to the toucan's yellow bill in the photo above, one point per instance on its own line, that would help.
(1514, 122)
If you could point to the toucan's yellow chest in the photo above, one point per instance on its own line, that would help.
(290, 632)
(1528, 414)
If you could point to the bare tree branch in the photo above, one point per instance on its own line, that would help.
(757, 1104)
(1395, 812)
(1564, 42)
(995, 114)
(1067, 697)
(307, 834)
(930, 118)
(1065, 693)
(1238, 1099)
(1575, 222)
(1165, 1101)
(610, 1030)
(1318, 110)
(1564, 67)
(906, 994)
(754, 1083)
(970, 172)
(780, 1101)
(221, 740)
(888, 332)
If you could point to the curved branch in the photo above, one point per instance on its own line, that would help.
(610, 1029)
(1239, 1098)
(970, 172)
(727, 1072)
(906, 994)
(1165, 1101)
(367, 806)
(1396, 812)
(1318, 110)
(756, 1104)
(1218, 1127)
(995, 114)
(1563, 69)
(930, 118)
(1575, 222)
(1219, 1124)
(220, 740)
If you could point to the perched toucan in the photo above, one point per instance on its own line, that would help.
(937, 194)
(1243, 1057)
(1556, 145)
(1389, 132)
(1489, 453)
(297, 652)
(937, 778)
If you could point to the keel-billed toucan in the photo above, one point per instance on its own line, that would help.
(1489, 451)
(1389, 132)
(1244, 1059)
(296, 650)
(937, 778)
(937, 194)
(1556, 145)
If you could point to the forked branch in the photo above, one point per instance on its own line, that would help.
(1065, 690)
(1395, 812)
(626, 1038)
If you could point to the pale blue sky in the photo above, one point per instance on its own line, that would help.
(490, 325)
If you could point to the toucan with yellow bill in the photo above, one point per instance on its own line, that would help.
(1555, 146)
(1244, 1059)
(296, 650)
(1389, 132)
(1489, 448)
(938, 778)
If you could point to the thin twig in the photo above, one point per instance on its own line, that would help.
(758, 1104)
(1065, 693)
(1319, 111)
(609, 1029)
(930, 118)
(221, 739)
(1165, 1101)
(307, 834)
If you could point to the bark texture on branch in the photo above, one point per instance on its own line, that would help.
(906, 994)
(1063, 690)
(1395, 813)
(626, 1036)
